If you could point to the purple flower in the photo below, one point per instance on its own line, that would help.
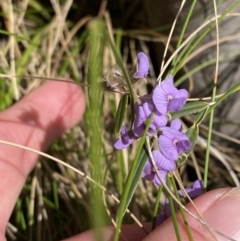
(196, 190)
(167, 97)
(173, 143)
(143, 112)
(163, 164)
(142, 66)
(125, 139)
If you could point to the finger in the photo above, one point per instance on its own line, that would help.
(128, 232)
(34, 121)
(220, 208)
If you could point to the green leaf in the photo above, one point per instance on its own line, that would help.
(132, 178)
(189, 108)
(138, 172)
(121, 112)
(192, 134)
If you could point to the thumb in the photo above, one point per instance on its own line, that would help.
(220, 209)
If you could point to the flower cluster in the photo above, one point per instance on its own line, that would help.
(196, 190)
(172, 141)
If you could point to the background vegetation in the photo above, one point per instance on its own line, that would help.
(42, 40)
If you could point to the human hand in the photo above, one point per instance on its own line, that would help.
(45, 114)
(35, 121)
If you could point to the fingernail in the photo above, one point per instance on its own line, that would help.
(224, 216)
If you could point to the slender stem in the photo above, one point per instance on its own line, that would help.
(156, 206)
(173, 213)
(182, 211)
(184, 29)
(124, 198)
(207, 157)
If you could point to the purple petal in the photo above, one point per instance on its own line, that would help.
(157, 181)
(176, 125)
(119, 144)
(148, 173)
(139, 122)
(168, 87)
(142, 66)
(174, 134)
(163, 93)
(124, 134)
(182, 93)
(125, 139)
(198, 184)
(160, 99)
(183, 146)
(192, 193)
(168, 148)
(176, 104)
(195, 191)
(148, 108)
(160, 120)
(162, 162)
(138, 130)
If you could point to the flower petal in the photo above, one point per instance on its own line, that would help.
(198, 184)
(174, 134)
(183, 146)
(124, 135)
(163, 93)
(162, 162)
(139, 122)
(148, 108)
(142, 66)
(160, 120)
(176, 104)
(119, 144)
(147, 173)
(160, 99)
(157, 181)
(138, 130)
(176, 125)
(182, 93)
(168, 148)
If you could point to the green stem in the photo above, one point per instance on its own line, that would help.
(184, 29)
(155, 211)
(173, 213)
(124, 198)
(193, 46)
(182, 211)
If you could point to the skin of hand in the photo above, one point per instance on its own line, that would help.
(46, 113)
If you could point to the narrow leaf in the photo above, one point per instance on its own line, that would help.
(121, 112)
(127, 191)
(192, 134)
(190, 108)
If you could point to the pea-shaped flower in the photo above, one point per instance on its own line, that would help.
(173, 143)
(125, 140)
(163, 164)
(166, 97)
